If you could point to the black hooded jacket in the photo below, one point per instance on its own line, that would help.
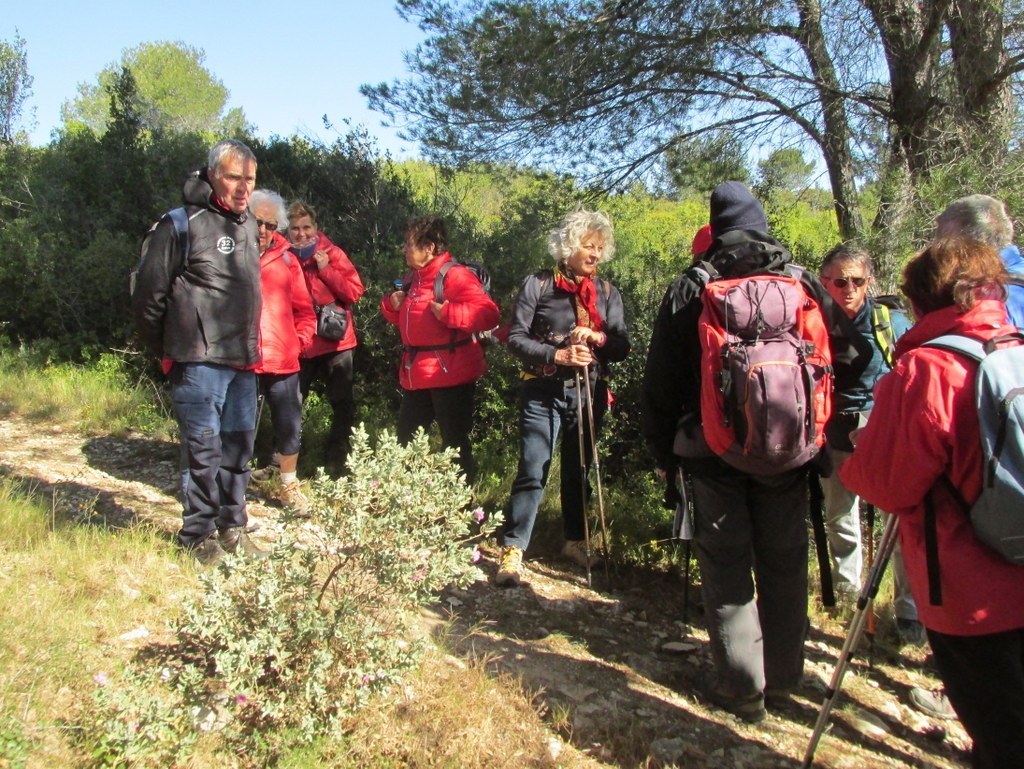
(209, 310)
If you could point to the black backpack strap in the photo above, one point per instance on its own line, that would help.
(931, 551)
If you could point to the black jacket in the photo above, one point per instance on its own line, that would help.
(209, 310)
(543, 315)
(671, 386)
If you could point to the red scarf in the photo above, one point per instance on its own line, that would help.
(585, 297)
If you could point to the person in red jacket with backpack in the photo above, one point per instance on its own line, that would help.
(333, 282)
(441, 355)
(924, 426)
(287, 326)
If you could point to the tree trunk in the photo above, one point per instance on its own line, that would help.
(980, 66)
(835, 138)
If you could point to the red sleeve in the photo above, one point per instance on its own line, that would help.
(303, 314)
(391, 316)
(341, 277)
(906, 444)
(467, 306)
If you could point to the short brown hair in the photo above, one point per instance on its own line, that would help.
(427, 230)
(953, 271)
(298, 209)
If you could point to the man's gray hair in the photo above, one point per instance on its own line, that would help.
(565, 239)
(848, 253)
(224, 149)
(260, 198)
(978, 217)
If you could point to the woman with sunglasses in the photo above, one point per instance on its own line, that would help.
(332, 280)
(287, 325)
(848, 276)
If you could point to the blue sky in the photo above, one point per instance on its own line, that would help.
(286, 68)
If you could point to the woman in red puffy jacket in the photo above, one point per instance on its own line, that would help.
(925, 426)
(333, 282)
(441, 357)
(287, 325)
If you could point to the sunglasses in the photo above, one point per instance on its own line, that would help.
(844, 282)
(271, 226)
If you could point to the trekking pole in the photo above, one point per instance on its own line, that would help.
(583, 471)
(864, 600)
(871, 560)
(683, 529)
(597, 475)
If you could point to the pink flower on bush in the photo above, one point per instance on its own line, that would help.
(241, 700)
(374, 484)
(479, 514)
(101, 679)
(420, 574)
(475, 558)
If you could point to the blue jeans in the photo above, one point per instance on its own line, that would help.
(546, 406)
(216, 410)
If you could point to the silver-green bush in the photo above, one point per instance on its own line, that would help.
(278, 651)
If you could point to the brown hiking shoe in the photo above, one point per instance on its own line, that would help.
(934, 703)
(208, 552)
(293, 500)
(235, 540)
(576, 551)
(510, 567)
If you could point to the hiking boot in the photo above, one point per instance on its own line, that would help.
(749, 709)
(933, 703)
(265, 473)
(576, 551)
(208, 552)
(510, 567)
(235, 540)
(911, 632)
(778, 698)
(293, 500)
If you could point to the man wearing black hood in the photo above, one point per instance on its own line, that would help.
(749, 529)
(197, 306)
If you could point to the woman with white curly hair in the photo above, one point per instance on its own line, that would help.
(564, 319)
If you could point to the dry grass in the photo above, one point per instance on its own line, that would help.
(455, 715)
(67, 594)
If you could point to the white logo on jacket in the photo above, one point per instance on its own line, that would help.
(226, 245)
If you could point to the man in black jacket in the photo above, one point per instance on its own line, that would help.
(197, 306)
(750, 529)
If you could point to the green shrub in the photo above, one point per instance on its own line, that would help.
(284, 649)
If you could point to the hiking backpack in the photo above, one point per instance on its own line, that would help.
(179, 220)
(485, 338)
(766, 372)
(997, 516)
(478, 270)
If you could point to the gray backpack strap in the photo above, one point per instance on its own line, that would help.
(179, 218)
(972, 348)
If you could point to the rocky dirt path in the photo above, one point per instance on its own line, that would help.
(613, 669)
